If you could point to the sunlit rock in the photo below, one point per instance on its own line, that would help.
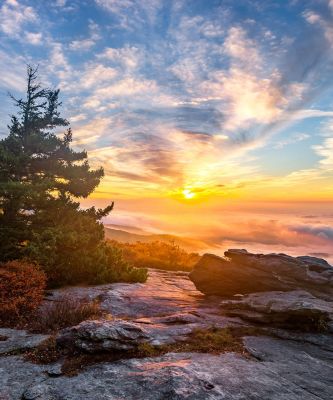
(240, 272)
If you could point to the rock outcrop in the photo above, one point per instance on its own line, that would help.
(292, 365)
(295, 309)
(103, 335)
(240, 272)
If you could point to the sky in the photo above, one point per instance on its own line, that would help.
(212, 119)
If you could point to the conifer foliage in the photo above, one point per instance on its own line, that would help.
(41, 178)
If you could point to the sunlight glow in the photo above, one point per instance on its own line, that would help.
(188, 194)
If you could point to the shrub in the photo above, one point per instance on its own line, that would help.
(160, 255)
(68, 311)
(22, 287)
(111, 266)
(93, 265)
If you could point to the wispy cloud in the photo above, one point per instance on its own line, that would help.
(12, 73)
(128, 57)
(14, 15)
(299, 137)
(325, 149)
(131, 12)
(34, 38)
(87, 43)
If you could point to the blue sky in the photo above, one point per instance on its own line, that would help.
(224, 99)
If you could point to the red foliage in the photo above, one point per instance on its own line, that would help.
(22, 286)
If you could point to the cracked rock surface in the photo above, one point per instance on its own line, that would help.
(17, 340)
(287, 370)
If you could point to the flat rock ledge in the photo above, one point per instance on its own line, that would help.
(14, 340)
(287, 370)
(296, 309)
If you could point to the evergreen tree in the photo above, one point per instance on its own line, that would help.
(40, 178)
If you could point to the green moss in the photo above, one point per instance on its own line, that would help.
(148, 350)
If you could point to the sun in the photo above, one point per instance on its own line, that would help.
(188, 194)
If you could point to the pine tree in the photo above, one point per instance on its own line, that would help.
(41, 176)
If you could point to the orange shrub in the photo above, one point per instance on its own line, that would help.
(157, 254)
(22, 287)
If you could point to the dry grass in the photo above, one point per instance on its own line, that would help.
(212, 340)
(45, 353)
(66, 312)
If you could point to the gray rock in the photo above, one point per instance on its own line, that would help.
(17, 340)
(164, 293)
(321, 340)
(167, 306)
(241, 272)
(173, 319)
(17, 375)
(315, 264)
(287, 371)
(53, 369)
(306, 366)
(296, 309)
(103, 335)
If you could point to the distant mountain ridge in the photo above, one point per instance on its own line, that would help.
(129, 234)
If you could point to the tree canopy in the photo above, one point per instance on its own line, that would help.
(41, 179)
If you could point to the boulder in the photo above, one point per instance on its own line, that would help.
(240, 272)
(103, 335)
(295, 309)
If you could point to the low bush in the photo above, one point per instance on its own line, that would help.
(103, 263)
(68, 311)
(70, 248)
(22, 286)
(160, 255)
(113, 267)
